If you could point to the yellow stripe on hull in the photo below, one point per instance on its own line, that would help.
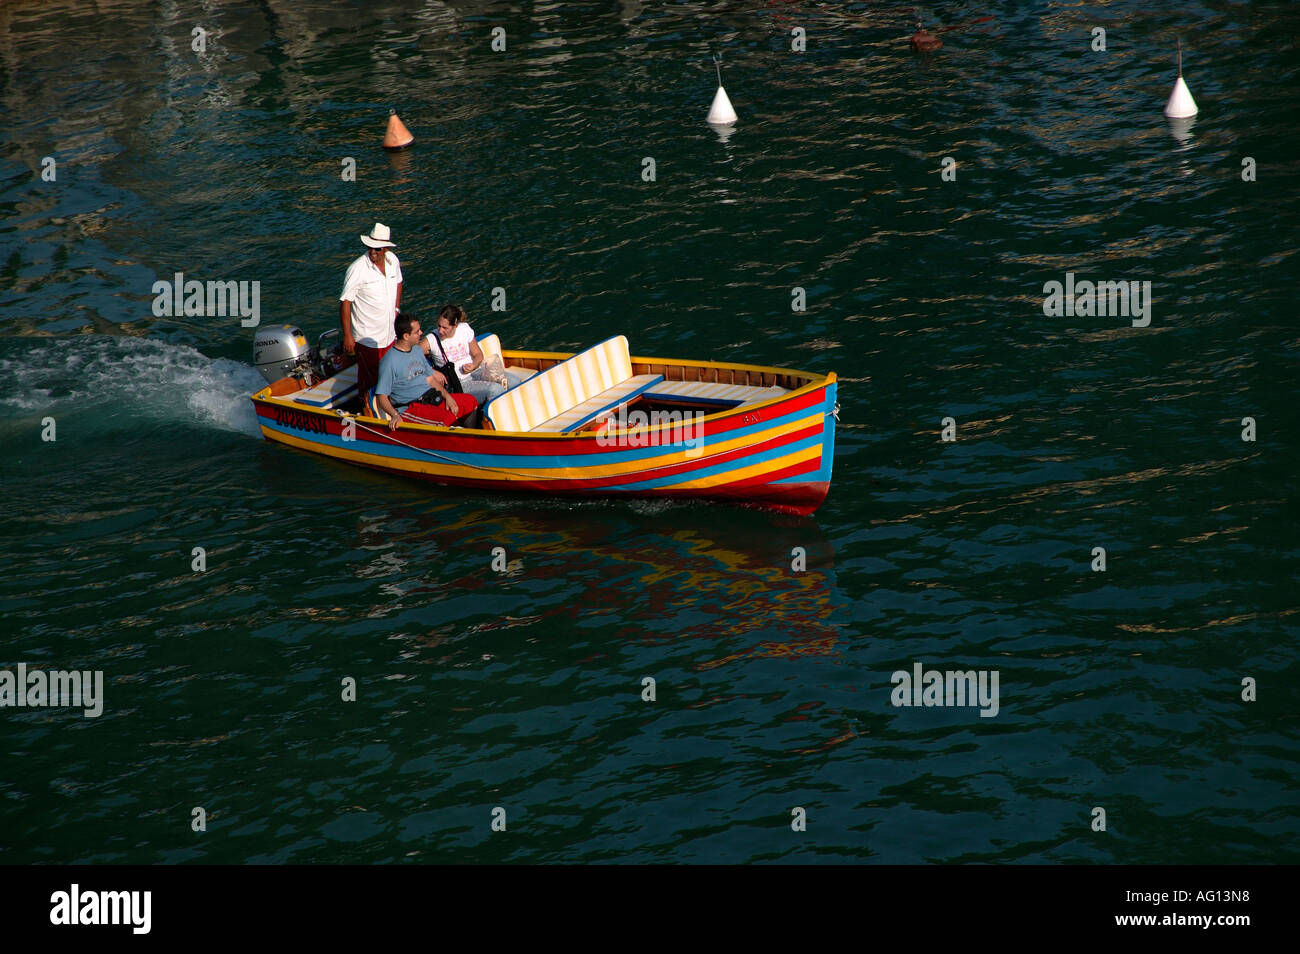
(432, 466)
(757, 470)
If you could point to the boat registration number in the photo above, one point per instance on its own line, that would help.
(300, 420)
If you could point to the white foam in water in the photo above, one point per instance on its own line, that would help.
(140, 375)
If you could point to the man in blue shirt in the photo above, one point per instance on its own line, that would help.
(409, 386)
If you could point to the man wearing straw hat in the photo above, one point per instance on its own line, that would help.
(372, 293)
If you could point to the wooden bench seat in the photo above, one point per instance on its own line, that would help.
(707, 392)
(332, 392)
(606, 402)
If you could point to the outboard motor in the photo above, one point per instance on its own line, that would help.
(279, 352)
(283, 352)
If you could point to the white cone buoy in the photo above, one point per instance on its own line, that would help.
(721, 112)
(1180, 105)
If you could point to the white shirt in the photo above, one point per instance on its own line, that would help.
(374, 299)
(456, 347)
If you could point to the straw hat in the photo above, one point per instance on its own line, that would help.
(378, 237)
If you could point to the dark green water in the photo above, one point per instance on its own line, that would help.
(1118, 689)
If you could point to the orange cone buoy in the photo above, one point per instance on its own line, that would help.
(397, 136)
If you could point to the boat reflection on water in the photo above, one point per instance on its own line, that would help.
(651, 571)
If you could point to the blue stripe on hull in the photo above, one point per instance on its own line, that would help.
(756, 458)
(823, 474)
(582, 462)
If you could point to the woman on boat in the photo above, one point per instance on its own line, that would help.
(452, 342)
(410, 389)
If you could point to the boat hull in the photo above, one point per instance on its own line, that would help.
(777, 454)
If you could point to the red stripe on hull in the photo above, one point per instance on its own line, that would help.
(799, 498)
(491, 442)
(794, 470)
(793, 497)
(685, 467)
(561, 485)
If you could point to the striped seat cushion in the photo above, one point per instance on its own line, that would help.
(707, 392)
(563, 387)
(331, 392)
(609, 400)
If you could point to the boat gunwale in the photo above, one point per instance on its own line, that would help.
(816, 381)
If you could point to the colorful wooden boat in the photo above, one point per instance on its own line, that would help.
(599, 423)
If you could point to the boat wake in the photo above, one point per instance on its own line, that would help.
(110, 376)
